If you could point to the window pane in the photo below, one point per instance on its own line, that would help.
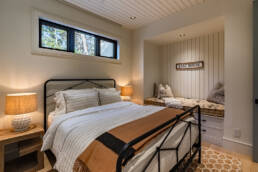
(52, 37)
(84, 44)
(107, 48)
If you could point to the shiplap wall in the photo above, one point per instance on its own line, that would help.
(194, 83)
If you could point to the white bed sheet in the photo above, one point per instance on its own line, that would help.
(70, 134)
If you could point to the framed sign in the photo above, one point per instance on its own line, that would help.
(190, 65)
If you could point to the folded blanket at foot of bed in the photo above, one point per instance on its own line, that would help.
(102, 154)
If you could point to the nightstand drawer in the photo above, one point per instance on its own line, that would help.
(11, 151)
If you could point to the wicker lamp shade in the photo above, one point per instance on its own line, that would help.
(126, 91)
(23, 103)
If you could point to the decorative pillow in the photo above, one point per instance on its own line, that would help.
(164, 91)
(217, 94)
(169, 92)
(107, 96)
(61, 98)
(106, 89)
(81, 100)
(161, 91)
(60, 103)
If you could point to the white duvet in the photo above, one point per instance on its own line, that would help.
(70, 134)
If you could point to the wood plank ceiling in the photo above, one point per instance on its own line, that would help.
(145, 11)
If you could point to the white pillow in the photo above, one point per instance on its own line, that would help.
(106, 89)
(60, 103)
(61, 100)
(81, 100)
(164, 91)
(169, 92)
(109, 96)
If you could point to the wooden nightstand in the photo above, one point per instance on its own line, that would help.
(20, 151)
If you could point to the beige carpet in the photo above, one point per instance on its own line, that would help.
(213, 160)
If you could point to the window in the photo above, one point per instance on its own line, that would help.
(106, 48)
(85, 44)
(53, 37)
(62, 38)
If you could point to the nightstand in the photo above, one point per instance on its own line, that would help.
(20, 151)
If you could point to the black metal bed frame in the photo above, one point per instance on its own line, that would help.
(125, 155)
(68, 88)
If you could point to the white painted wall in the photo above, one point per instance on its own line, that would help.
(194, 83)
(20, 71)
(152, 62)
(238, 61)
(238, 74)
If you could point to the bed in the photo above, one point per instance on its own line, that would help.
(177, 139)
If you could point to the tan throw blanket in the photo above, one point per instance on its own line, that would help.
(102, 154)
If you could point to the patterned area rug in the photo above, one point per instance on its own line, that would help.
(212, 161)
(215, 161)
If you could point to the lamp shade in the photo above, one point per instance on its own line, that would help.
(22, 103)
(126, 91)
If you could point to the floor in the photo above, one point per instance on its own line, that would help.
(247, 164)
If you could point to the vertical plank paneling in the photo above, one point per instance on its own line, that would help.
(221, 56)
(206, 65)
(211, 61)
(216, 58)
(195, 83)
(185, 77)
(197, 72)
(192, 73)
(189, 73)
(202, 71)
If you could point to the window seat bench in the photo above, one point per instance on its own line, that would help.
(207, 108)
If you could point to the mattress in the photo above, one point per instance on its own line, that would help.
(71, 133)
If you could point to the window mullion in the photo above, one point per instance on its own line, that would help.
(70, 40)
(97, 50)
(115, 50)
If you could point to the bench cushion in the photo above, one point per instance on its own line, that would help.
(207, 108)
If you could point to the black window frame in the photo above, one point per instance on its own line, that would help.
(71, 39)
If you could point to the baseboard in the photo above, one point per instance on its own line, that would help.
(238, 146)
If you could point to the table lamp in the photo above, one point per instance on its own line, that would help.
(21, 105)
(126, 92)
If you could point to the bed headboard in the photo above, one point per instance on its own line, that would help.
(54, 85)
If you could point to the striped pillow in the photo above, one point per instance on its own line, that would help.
(109, 96)
(81, 99)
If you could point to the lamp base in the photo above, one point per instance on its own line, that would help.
(126, 98)
(21, 123)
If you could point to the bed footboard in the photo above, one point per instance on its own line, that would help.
(126, 154)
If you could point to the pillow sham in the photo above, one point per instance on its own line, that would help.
(106, 89)
(216, 95)
(60, 103)
(164, 91)
(81, 100)
(63, 99)
(109, 96)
